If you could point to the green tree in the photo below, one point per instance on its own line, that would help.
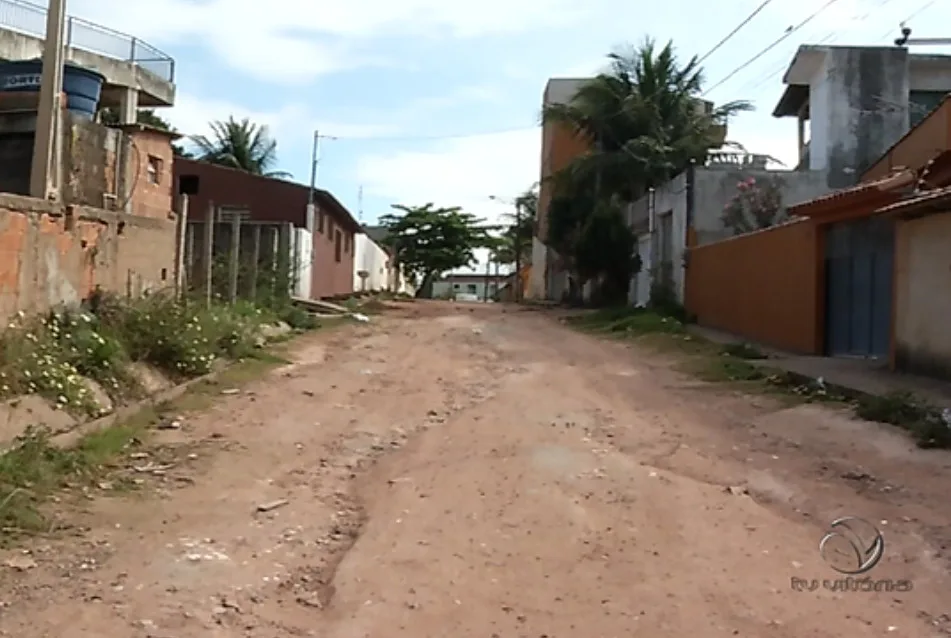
(239, 144)
(645, 122)
(518, 229)
(430, 241)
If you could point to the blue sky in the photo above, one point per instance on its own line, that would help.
(383, 76)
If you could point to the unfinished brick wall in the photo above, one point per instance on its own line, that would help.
(149, 173)
(52, 256)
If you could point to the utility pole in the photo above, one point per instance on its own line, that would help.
(485, 292)
(312, 194)
(45, 171)
(518, 252)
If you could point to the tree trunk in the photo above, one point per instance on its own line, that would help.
(425, 290)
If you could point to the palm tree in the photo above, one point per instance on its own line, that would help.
(239, 144)
(645, 120)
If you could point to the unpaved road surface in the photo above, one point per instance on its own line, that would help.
(462, 471)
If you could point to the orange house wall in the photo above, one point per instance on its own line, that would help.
(765, 286)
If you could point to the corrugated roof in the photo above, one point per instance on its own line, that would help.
(861, 192)
(940, 198)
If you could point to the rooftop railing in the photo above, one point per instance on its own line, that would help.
(30, 19)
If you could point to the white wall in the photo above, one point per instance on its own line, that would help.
(303, 262)
(536, 282)
(370, 257)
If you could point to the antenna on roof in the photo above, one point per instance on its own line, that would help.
(906, 38)
(360, 204)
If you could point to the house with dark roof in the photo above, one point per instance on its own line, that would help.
(266, 199)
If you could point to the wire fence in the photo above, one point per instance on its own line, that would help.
(30, 19)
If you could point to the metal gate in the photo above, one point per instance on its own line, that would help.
(859, 257)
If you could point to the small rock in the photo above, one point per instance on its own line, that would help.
(231, 391)
(736, 490)
(20, 563)
(273, 505)
(310, 600)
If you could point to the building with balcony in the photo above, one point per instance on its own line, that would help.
(136, 73)
(853, 103)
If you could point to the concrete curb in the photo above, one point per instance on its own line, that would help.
(70, 435)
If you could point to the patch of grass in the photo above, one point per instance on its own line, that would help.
(744, 351)
(182, 340)
(926, 423)
(34, 468)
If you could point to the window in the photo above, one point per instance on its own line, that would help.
(320, 221)
(153, 171)
(455, 286)
(471, 289)
(338, 241)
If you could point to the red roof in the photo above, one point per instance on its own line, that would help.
(876, 193)
(938, 200)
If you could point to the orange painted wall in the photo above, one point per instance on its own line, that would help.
(560, 145)
(765, 286)
(918, 146)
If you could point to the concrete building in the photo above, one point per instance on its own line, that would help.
(137, 74)
(862, 273)
(107, 233)
(853, 103)
(689, 211)
(395, 279)
(560, 145)
(266, 199)
(468, 285)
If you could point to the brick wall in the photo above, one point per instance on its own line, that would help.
(50, 255)
(150, 171)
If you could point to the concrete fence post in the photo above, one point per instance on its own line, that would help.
(209, 252)
(234, 265)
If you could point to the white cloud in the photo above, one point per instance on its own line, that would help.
(465, 172)
(293, 40)
(192, 115)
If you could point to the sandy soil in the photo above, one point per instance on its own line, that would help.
(469, 471)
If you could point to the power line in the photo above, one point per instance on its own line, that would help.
(914, 14)
(829, 38)
(431, 138)
(733, 32)
(775, 43)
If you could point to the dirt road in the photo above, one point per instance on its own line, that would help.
(467, 471)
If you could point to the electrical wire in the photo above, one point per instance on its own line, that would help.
(914, 14)
(772, 46)
(732, 33)
(830, 38)
(433, 138)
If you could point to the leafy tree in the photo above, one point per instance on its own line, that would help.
(429, 241)
(518, 230)
(644, 118)
(645, 122)
(239, 144)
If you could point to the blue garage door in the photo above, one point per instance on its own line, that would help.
(859, 258)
